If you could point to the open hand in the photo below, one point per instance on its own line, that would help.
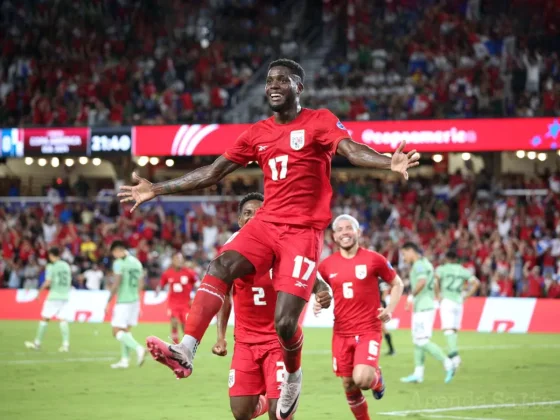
(401, 162)
(138, 193)
(220, 348)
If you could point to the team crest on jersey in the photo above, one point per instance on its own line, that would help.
(361, 271)
(231, 378)
(184, 279)
(297, 139)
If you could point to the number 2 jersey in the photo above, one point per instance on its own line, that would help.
(355, 285)
(60, 275)
(181, 283)
(296, 162)
(254, 303)
(130, 269)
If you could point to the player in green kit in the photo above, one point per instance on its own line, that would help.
(422, 296)
(58, 278)
(451, 279)
(129, 281)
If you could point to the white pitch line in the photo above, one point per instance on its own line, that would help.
(73, 360)
(433, 416)
(466, 408)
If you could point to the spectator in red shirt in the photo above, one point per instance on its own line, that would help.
(533, 283)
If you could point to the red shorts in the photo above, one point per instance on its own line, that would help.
(291, 251)
(179, 313)
(256, 369)
(355, 350)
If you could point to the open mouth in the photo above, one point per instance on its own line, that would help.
(346, 240)
(275, 97)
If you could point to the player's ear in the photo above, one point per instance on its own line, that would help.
(299, 88)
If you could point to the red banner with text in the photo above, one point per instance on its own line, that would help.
(513, 315)
(473, 135)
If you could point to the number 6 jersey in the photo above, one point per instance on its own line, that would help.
(296, 161)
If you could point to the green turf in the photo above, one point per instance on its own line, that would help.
(497, 369)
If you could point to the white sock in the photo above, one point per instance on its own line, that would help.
(419, 371)
(294, 377)
(448, 364)
(190, 343)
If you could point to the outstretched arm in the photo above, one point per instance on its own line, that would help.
(365, 157)
(220, 348)
(203, 177)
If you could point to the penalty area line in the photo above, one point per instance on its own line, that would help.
(465, 408)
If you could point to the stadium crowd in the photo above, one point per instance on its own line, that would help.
(512, 243)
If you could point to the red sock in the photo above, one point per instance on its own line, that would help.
(376, 379)
(262, 407)
(292, 351)
(358, 404)
(207, 302)
(175, 334)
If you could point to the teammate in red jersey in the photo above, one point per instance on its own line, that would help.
(294, 148)
(353, 274)
(181, 281)
(257, 365)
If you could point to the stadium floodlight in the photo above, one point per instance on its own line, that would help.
(532, 155)
(55, 162)
(542, 157)
(437, 158)
(154, 161)
(69, 162)
(520, 154)
(29, 161)
(143, 160)
(170, 162)
(83, 160)
(466, 156)
(42, 162)
(96, 161)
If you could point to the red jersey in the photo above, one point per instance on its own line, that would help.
(296, 162)
(181, 284)
(254, 303)
(355, 285)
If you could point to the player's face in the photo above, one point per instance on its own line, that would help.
(248, 211)
(282, 88)
(345, 234)
(408, 255)
(51, 258)
(117, 253)
(177, 261)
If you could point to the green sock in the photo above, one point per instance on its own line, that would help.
(65, 331)
(124, 351)
(41, 331)
(129, 341)
(452, 344)
(419, 356)
(435, 351)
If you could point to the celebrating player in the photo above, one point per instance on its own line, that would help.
(127, 285)
(294, 148)
(58, 278)
(451, 278)
(353, 274)
(181, 281)
(257, 366)
(422, 297)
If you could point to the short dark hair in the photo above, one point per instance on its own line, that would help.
(249, 197)
(117, 244)
(413, 246)
(291, 64)
(451, 255)
(54, 251)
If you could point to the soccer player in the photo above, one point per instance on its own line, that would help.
(58, 278)
(257, 365)
(294, 148)
(127, 285)
(422, 297)
(181, 281)
(353, 274)
(451, 279)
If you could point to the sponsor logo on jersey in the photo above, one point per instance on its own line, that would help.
(262, 148)
(340, 125)
(361, 271)
(333, 275)
(184, 279)
(297, 139)
(300, 284)
(231, 378)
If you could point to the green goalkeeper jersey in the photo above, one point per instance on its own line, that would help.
(452, 279)
(60, 276)
(130, 269)
(423, 269)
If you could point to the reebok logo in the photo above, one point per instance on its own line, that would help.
(333, 275)
(262, 148)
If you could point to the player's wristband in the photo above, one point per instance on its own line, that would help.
(410, 299)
